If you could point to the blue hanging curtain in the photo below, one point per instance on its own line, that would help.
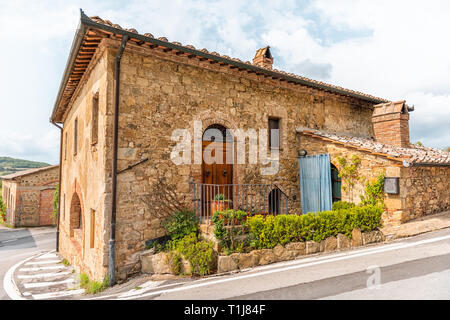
(315, 183)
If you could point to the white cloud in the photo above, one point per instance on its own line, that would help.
(403, 56)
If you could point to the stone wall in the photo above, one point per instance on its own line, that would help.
(160, 263)
(86, 176)
(162, 92)
(424, 190)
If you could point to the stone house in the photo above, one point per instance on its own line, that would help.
(124, 94)
(28, 196)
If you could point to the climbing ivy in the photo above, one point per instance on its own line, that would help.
(349, 173)
(374, 192)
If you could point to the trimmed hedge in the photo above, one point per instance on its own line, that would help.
(268, 232)
(338, 205)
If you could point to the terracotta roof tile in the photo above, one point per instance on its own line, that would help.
(260, 52)
(414, 154)
(26, 172)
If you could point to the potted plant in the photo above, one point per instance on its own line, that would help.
(220, 203)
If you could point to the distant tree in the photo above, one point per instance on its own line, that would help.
(418, 143)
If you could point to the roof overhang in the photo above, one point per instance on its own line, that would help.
(90, 33)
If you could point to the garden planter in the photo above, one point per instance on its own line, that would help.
(219, 205)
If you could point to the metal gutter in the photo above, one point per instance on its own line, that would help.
(59, 184)
(112, 239)
(427, 164)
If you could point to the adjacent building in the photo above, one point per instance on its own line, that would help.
(28, 196)
(123, 97)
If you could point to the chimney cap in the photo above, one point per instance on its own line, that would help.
(263, 58)
(391, 107)
(263, 52)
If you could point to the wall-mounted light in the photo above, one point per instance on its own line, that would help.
(302, 153)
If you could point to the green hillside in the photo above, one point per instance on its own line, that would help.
(10, 165)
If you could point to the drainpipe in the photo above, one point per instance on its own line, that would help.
(59, 184)
(112, 239)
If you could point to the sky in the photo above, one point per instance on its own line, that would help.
(398, 50)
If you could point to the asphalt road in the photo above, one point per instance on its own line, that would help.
(414, 268)
(19, 244)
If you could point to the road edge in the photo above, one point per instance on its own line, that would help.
(9, 285)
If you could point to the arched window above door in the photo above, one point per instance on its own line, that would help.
(217, 133)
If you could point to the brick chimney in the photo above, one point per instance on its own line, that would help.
(391, 123)
(263, 58)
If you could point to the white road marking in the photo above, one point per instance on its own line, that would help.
(42, 268)
(43, 262)
(43, 275)
(57, 294)
(47, 284)
(47, 256)
(144, 288)
(304, 265)
(10, 240)
(9, 285)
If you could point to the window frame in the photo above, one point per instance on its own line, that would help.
(75, 137)
(94, 119)
(269, 133)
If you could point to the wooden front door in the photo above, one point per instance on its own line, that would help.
(217, 177)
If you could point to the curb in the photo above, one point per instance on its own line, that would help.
(9, 284)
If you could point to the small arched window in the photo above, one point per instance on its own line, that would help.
(274, 201)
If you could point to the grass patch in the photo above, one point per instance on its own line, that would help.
(93, 287)
(65, 262)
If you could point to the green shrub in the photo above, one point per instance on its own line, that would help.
(93, 287)
(270, 231)
(181, 224)
(338, 205)
(374, 192)
(176, 263)
(228, 224)
(199, 253)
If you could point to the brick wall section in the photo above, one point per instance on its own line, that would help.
(391, 124)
